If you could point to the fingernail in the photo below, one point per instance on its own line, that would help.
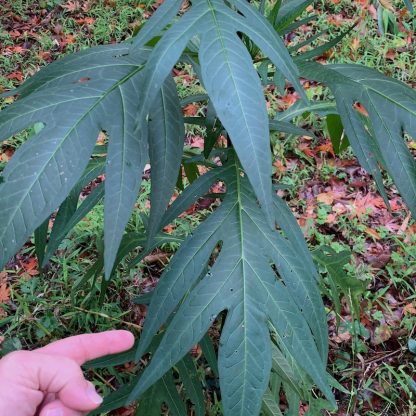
(93, 395)
(55, 412)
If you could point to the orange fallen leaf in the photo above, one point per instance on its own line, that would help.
(4, 293)
(18, 76)
(86, 20)
(391, 54)
(373, 233)
(355, 44)
(71, 6)
(31, 264)
(304, 147)
(70, 39)
(326, 148)
(190, 110)
(280, 167)
(409, 308)
(168, 229)
(14, 33)
(325, 198)
(381, 334)
(331, 218)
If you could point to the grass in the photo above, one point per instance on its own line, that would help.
(44, 307)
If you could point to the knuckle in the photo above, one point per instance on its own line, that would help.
(13, 359)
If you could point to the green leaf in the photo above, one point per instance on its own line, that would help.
(68, 208)
(297, 24)
(391, 107)
(157, 241)
(127, 155)
(171, 397)
(166, 139)
(411, 344)
(193, 387)
(289, 128)
(270, 406)
(191, 171)
(114, 400)
(299, 108)
(151, 402)
(409, 5)
(225, 61)
(112, 359)
(85, 207)
(45, 168)
(81, 67)
(242, 282)
(41, 235)
(209, 353)
(288, 12)
(318, 51)
(284, 369)
(274, 12)
(351, 287)
(160, 19)
(336, 133)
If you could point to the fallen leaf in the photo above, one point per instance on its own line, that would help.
(409, 308)
(168, 229)
(18, 76)
(31, 264)
(355, 44)
(304, 147)
(280, 167)
(325, 198)
(326, 148)
(373, 233)
(190, 110)
(381, 334)
(71, 6)
(391, 54)
(86, 20)
(4, 293)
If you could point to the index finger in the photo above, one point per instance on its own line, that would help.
(86, 347)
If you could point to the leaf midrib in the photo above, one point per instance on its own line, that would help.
(218, 30)
(243, 266)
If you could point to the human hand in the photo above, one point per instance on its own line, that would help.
(49, 381)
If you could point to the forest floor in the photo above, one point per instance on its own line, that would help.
(371, 316)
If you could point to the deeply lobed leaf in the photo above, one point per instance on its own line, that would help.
(241, 282)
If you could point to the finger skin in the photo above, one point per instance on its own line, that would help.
(82, 348)
(57, 404)
(27, 376)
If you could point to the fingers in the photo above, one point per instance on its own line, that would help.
(64, 377)
(28, 372)
(57, 408)
(82, 348)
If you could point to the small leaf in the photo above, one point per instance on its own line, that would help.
(336, 133)
(411, 344)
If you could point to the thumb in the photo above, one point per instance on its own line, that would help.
(64, 377)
